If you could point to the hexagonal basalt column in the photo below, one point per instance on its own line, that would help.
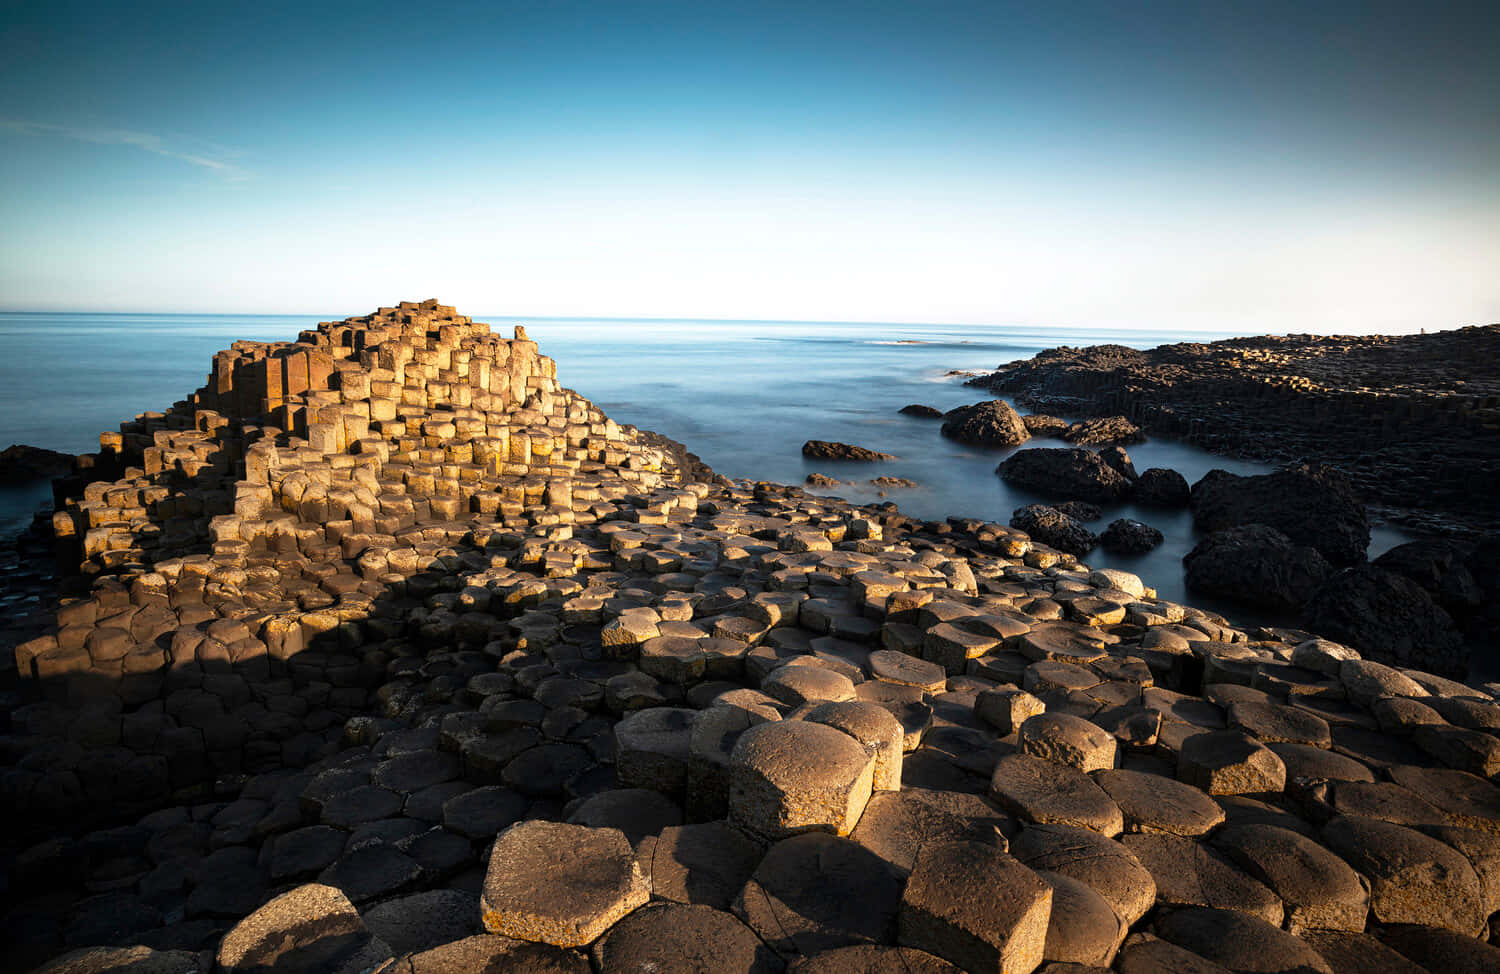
(795, 776)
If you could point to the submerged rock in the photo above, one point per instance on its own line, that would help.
(826, 450)
(1160, 487)
(921, 412)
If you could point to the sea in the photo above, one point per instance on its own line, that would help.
(743, 395)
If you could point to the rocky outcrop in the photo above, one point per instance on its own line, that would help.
(1043, 425)
(1311, 505)
(921, 412)
(825, 450)
(20, 464)
(1055, 529)
(1256, 565)
(992, 423)
(1412, 420)
(1160, 487)
(1388, 618)
(1104, 431)
(1128, 536)
(1079, 474)
(1438, 566)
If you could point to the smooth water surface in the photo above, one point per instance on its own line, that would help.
(742, 395)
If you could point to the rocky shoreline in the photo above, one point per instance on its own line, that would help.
(1413, 420)
(387, 652)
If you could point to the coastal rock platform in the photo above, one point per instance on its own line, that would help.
(426, 665)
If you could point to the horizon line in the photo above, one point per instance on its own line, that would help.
(714, 320)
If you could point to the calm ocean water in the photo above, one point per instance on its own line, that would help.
(743, 395)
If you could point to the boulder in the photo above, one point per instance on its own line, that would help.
(1119, 461)
(1311, 505)
(1127, 536)
(1054, 529)
(1437, 565)
(992, 423)
(21, 464)
(921, 412)
(1388, 618)
(1077, 474)
(1256, 565)
(1161, 487)
(825, 450)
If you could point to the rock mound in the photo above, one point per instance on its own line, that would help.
(1256, 565)
(1388, 618)
(1077, 474)
(992, 423)
(1311, 505)
(1055, 529)
(826, 450)
(1105, 431)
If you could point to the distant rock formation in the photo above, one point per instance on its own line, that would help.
(826, 450)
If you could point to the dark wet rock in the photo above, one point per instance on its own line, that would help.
(1119, 461)
(1127, 536)
(1080, 510)
(1311, 505)
(1104, 431)
(1258, 565)
(1054, 528)
(1437, 565)
(1388, 618)
(1077, 474)
(921, 412)
(1161, 487)
(825, 450)
(992, 423)
(20, 464)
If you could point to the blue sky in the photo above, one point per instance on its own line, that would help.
(1253, 166)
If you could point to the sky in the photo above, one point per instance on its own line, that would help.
(1248, 166)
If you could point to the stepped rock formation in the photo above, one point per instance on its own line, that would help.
(424, 665)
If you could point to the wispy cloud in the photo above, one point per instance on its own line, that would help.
(153, 144)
